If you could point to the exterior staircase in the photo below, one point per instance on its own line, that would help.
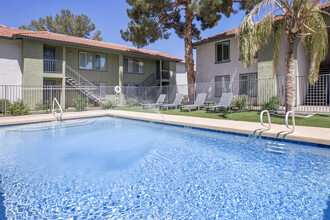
(86, 87)
(318, 95)
(148, 85)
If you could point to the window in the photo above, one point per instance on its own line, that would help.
(90, 61)
(100, 62)
(133, 65)
(86, 60)
(248, 84)
(222, 52)
(221, 85)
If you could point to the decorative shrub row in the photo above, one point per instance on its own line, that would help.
(273, 104)
(108, 105)
(132, 102)
(16, 108)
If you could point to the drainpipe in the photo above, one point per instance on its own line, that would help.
(63, 77)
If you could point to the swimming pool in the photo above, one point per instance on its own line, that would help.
(119, 168)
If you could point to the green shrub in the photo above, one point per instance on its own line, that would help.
(185, 98)
(132, 102)
(44, 105)
(108, 105)
(273, 104)
(4, 105)
(19, 108)
(240, 101)
(80, 103)
(90, 105)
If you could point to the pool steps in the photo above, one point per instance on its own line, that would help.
(275, 147)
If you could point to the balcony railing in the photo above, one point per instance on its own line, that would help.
(165, 74)
(52, 66)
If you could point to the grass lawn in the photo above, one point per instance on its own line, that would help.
(252, 116)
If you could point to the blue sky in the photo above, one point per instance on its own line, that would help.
(109, 16)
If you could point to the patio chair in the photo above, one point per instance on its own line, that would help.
(176, 103)
(198, 104)
(225, 102)
(160, 100)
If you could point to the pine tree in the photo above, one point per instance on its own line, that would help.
(65, 23)
(153, 19)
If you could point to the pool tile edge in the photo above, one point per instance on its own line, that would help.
(248, 128)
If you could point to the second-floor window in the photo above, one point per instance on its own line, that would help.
(222, 52)
(91, 61)
(100, 62)
(133, 65)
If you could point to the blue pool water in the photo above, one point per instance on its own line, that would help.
(107, 167)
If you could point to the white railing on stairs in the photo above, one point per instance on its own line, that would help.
(83, 84)
(58, 116)
(82, 81)
(269, 121)
(293, 129)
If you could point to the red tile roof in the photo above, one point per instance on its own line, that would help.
(233, 32)
(14, 33)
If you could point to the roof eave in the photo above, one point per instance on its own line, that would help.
(18, 36)
(213, 40)
(232, 35)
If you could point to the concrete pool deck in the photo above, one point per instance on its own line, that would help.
(303, 133)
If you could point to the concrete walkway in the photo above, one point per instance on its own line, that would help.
(306, 134)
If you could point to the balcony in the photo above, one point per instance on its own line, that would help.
(53, 66)
(165, 74)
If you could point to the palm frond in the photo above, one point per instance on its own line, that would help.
(253, 36)
(246, 44)
(316, 43)
(277, 45)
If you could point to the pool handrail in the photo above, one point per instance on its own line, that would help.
(293, 129)
(269, 121)
(57, 115)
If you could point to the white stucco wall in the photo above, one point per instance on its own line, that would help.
(303, 64)
(181, 78)
(10, 69)
(10, 62)
(208, 69)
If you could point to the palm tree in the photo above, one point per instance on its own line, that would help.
(298, 19)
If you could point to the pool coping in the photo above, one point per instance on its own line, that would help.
(314, 135)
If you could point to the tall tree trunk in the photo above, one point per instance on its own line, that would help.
(290, 86)
(189, 54)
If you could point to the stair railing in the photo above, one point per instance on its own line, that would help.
(85, 86)
(77, 77)
(149, 80)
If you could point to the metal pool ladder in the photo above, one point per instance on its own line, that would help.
(58, 116)
(293, 129)
(269, 121)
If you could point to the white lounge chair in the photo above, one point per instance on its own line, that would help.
(198, 104)
(225, 102)
(160, 100)
(176, 103)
